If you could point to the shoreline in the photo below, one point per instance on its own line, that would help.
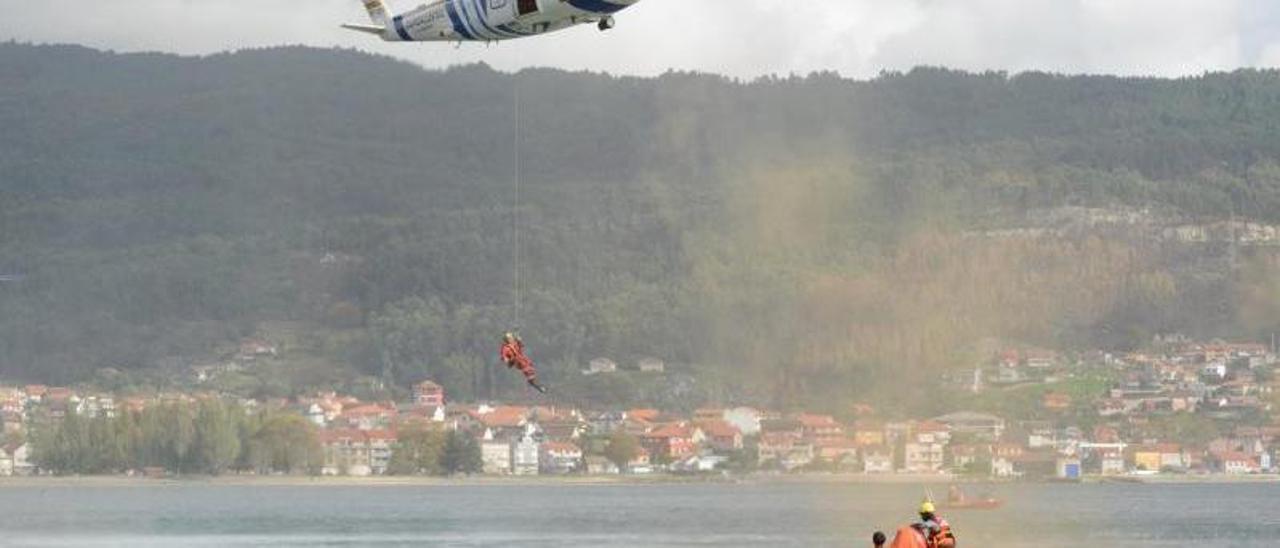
(586, 481)
(1223, 479)
(432, 481)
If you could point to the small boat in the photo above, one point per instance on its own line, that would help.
(988, 503)
(957, 500)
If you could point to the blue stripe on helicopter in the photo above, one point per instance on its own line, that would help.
(465, 16)
(480, 15)
(398, 22)
(458, 27)
(512, 30)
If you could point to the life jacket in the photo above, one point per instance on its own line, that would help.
(920, 535)
(909, 537)
(941, 537)
(513, 355)
(511, 351)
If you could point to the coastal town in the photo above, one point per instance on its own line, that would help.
(1184, 408)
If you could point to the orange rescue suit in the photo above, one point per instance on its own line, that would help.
(512, 353)
(910, 536)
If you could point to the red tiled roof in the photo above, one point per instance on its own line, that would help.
(1159, 448)
(708, 413)
(718, 428)
(817, 421)
(928, 427)
(1234, 456)
(1256, 348)
(338, 434)
(1105, 434)
(369, 410)
(778, 438)
(838, 443)
(863, 425)
(647, 415)
(504, 417)
(387, 435)
(560, 447)
(671, 430)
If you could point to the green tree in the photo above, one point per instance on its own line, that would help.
(168, 435)
(461, 454)
(217, 442)
(419, 450)
(285, 443)
(1187, 428)
(747, 458)
(622, 449)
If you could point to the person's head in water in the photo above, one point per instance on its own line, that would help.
(509, 337)
(878, 539)
(927, 510)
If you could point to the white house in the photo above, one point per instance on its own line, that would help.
(923, 457)
(601, 365)
(524, 456)
(983, 425)
(746, 419)
(1238, 463)
(1111, 462)
(1214, 370)
(1002, 467)
(15, 460)
(651, 365)
(496, 456)
(598, 465)
(95, 406)
(877, 461)
(699, 463)
(316, 414)
(559, 458)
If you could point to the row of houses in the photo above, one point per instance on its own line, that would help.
(360, 437)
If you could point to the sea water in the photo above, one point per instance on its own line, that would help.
(614, 515)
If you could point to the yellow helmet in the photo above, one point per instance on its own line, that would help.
(926, 507)
(509, 336)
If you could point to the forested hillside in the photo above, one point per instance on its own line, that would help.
(808, 238)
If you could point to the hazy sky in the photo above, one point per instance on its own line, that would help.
(744, 38)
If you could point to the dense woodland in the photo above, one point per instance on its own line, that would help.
(215, 437)
(792, 239)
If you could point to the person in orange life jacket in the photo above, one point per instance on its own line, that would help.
(936, 530)
(512, 353)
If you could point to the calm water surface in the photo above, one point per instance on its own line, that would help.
(770, 514)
